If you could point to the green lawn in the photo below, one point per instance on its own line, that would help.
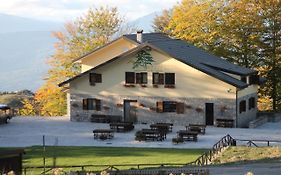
(107, 155)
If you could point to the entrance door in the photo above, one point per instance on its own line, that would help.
(129, 111)
(209, 113)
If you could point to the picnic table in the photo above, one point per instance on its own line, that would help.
(103, 134)
(200, 129)
(168, 126)
(160, 127)
(225, 123)
(187, 135)
(122, 126)
(150, 134)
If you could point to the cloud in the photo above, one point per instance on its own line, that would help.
(61, 10)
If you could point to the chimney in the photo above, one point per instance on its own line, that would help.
(139, 36)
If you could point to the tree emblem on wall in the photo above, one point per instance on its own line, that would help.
(144, 58)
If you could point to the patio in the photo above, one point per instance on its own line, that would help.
(28, 131)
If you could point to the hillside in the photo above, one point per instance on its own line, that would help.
(25, 45)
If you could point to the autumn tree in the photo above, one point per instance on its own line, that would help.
(270, 12)
(245, 32)
(92, 30)
(161, 22)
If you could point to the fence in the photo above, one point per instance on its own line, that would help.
(207, 157)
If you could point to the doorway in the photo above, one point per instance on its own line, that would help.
(209, 113)
(130, 112)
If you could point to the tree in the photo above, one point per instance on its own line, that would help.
(94, 29)
(270, 11)
(161, 22)
(143, 59)
(245, 32)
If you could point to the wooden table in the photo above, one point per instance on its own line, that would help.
(160, 127)
(122, 126)
(103, 134)
(197, 128)
(188, 135)
(151, 134)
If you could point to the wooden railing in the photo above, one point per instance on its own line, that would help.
(257, 142)
(208, 156)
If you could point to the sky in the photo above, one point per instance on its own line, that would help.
(63, 10)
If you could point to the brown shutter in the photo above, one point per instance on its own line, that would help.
(144, 77)
(85, 104)
(98, 104)
(180, 108)
(161, 78)
(138, 78)
(130, 77)
(98, 78)
(159, 106)
(92, 79)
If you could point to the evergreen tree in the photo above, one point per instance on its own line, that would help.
(143, 59)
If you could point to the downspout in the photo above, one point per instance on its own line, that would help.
(236, 113)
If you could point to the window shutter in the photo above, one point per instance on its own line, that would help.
(144, 77)
(130, 77)
(161, 78)
(138, 78)
(98, 104)
(85, 104)
(159, 106)
(180, 108)
(92, 79)
(169, 78)
(98, 78)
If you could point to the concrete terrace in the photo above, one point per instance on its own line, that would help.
(28, 131)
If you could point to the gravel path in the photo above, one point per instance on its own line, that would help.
(28, 131)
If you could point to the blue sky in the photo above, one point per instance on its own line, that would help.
(62, 10)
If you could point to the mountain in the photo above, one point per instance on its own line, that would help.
(10, 23)
(25, 45)
(145, 22)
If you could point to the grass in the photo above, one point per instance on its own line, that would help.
(243, 154)
(107, 155)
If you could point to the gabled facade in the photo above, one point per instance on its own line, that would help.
(183, 85)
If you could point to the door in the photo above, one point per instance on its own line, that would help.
(129, 111)
(209, 113)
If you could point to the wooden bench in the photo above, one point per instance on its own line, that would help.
(188, 135)
(160, 127)
(200, 129)
(226, 123)
(103, 134)
(122, 126)
(169, 125)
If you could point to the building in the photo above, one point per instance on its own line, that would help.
(183, 84)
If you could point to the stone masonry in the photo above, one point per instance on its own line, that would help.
(145, 108)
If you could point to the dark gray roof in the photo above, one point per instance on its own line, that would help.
(208, 70)
(189, 53)
(185, 53)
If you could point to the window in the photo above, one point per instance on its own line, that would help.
(141, 78)
(158, 78)
(242, 106)
(91, 104)
(95, 78)
(130, 77)
(252, 103)
(170, 106)
(254, 79)
(244, 79)
(169, 78)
